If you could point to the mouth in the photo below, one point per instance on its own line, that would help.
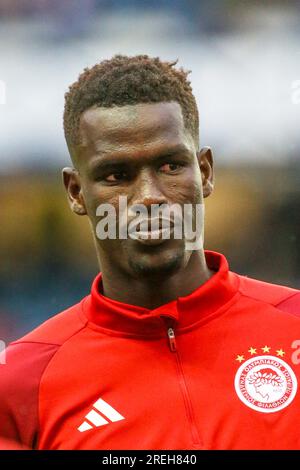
(154, 237)
(158, 231)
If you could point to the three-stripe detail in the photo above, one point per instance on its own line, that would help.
(95, 419)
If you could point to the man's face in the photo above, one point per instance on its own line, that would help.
(145, 153)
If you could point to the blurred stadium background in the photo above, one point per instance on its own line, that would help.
(244, 57)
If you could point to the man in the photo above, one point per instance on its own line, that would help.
(170, 349)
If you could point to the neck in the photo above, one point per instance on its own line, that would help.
(151, 293)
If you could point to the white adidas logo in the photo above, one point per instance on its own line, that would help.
(94, 419)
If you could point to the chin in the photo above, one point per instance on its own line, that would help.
(156, 266)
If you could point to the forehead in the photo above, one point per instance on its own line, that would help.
(112, 129)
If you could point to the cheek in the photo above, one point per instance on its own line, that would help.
(110, 206)
(92, 201)
(196, 189)
(187, 190)
(94, 195)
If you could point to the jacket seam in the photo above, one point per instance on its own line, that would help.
(25, 340)
(15, 343)
(38, 391)
(44, 372)
(190, 412)
(261, 300)
(289, 297)
(273, 305)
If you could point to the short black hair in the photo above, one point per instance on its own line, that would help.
(124, 80)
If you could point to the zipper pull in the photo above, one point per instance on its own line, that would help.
(172, 340)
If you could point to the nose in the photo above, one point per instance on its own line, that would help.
(148, 191)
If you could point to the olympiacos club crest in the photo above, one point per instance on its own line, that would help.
(265, 383)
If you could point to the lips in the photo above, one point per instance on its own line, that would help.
(157, 231)
(157, 223)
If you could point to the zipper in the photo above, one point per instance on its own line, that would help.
(184, 389)
(172, 340)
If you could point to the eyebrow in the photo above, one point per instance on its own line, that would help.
(105, 162)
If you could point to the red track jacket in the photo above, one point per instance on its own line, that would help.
(217, 369)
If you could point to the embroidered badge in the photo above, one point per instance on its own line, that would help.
(265, 383)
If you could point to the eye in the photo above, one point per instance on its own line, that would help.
(114, 177)
(171, 167)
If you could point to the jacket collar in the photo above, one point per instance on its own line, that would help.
(181, 312)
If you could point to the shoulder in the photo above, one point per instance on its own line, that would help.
(24, 360)
(284, 298)
(22, 367)
(57, 329)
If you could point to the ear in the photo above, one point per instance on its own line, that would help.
(72, 184)
(206, 165)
